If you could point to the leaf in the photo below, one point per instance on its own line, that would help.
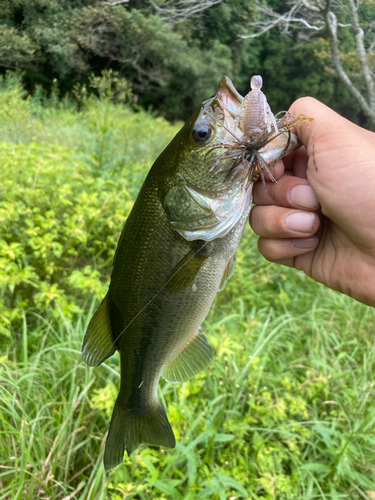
(168, 489)
(230, 482)
(224, 438)
(316, 467)
(362, 480)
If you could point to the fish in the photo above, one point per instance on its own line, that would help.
(175, 253)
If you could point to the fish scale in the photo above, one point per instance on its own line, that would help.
(176, 251)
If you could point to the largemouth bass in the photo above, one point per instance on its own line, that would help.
(176, 251)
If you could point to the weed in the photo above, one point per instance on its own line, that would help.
(285, 412)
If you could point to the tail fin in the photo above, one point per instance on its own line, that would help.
(130, 428)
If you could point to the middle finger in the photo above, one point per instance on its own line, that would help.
(280, 222)
(289, 191)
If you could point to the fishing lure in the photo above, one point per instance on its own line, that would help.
(255, 127)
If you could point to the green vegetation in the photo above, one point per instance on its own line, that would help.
(287, 409)
(170, 65)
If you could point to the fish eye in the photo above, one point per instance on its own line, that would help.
(201, 132)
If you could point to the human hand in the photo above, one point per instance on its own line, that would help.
(323, 221)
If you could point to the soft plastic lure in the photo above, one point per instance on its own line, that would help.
(258, 140)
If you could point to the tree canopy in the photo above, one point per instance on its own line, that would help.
(173, 63)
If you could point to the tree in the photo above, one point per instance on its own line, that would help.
(354, 62)
(173, 52)
(178, 11)
(67, 40)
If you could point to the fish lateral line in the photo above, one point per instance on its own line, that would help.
(199, 249)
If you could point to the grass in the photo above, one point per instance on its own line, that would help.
(286, 411)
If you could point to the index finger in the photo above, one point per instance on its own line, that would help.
(321, 133)
(325, 122)
(296, 163)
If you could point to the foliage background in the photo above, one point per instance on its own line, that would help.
(286, 411)
(171, 67)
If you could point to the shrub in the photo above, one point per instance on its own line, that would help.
(69, 180)
(58, 225)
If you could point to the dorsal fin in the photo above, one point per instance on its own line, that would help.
(195, 356)
(98, 344)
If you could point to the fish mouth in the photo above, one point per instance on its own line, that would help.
(228, 96)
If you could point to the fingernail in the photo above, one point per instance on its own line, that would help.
(278, 170)
(304, 196)
(305, 242)
(301, 221)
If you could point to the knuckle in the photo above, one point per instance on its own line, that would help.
(272, 222)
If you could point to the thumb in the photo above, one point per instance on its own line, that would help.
(344, 177)
(338, 151)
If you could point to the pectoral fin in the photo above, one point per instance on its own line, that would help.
(228, 273)
(187, 269)
(98, 344)
(196, 355)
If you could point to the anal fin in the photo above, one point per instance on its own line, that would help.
(98, 344)
(196, 355)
